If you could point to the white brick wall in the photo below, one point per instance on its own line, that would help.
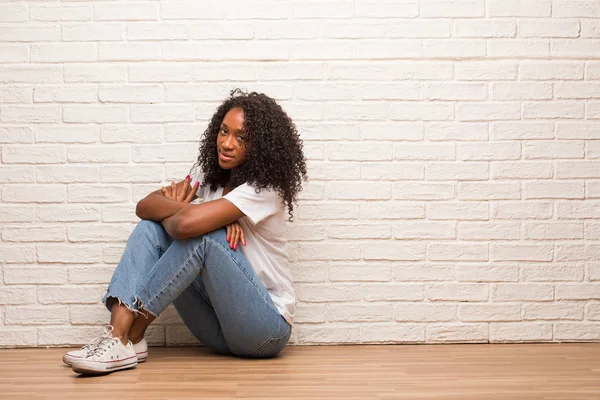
(453, 147)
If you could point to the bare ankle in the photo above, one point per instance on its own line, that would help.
(122, 337)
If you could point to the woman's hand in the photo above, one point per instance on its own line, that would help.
(182, 191)
(235, 234)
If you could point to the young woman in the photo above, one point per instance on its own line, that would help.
(222, 263)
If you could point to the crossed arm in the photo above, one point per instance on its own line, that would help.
(183, 220)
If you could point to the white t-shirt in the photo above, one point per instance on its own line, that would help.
(266, 242)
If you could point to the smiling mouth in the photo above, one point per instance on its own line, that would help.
(225, 157)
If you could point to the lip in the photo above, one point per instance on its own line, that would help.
(223, 157)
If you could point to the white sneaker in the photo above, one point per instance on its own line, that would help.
(107, 356)
(69, 357)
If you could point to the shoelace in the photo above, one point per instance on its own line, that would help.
(105, 344)
(97, 342)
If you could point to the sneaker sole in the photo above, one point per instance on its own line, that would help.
(141, 357)
(90, 370)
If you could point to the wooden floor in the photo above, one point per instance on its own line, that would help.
(465, 371)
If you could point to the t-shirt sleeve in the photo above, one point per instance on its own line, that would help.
(198, 176)
(256, 206)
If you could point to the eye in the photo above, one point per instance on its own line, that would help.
(222, 131)
(242, 138)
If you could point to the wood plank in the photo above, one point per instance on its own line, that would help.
(445, 371)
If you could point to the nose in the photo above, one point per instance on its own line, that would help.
(228, 142)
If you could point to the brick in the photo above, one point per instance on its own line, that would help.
(359, 313)
(548, 149)
(555, 29)
(465, 28)
(422, 191)
(392, 210)
(441, 171)
(34, 194)
(13, 33)
(553, 311)
(552, 272)
(326, 293)
(69, 253)
(519, 8)
(94, 113)
(424, 230)
(219, 30)
(458, 252)
(33, 234)
(97, 72)
(126, 12)
(362, 231)
(522, 292)
(489, 191)
(476, 333)
(390, 250)
(523, 170)
(31, 74)
(37, 316)
(128, 51)
(98, 194)
(95, 153)
(14, 53)
(38, 274)
(63, 52)
(31, 114)
(92, 32)
(13, 12)
(153, 31)
(11, 253)
(487, 272)
(56, 12)
(391, 171)
(98, 233)
(486, 70)
(520, 332)
(489, 312)
(521, 252)
(17, 295)
(424, 312)
(65, 94)
(488, 230)
(549, 70)
(129, 94)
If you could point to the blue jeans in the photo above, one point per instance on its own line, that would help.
(213, 288)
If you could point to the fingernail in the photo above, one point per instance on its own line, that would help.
(197, 184)
(187, 177)
(235, 246)
(244, 242)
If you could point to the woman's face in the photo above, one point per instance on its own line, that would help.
(232, 140)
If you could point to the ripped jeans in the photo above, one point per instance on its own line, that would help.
(213, 288)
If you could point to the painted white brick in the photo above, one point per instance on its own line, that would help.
(414, 111)
(519, 8)
(13, 12)
(425, 230)
(321, 9)
(330, 334)
(474, 333)
(240, 30)
(576, 332)
(68, 253)
(92, 32)
(520, 332)
(14, 33)
(563, 8)
(489, 312)
(65, 94)
(191, 9)
(38, 274)
(153, 31)
(488, 231)
(521, 252)
(33, 234)
(497, 151)
(590, 28)
(522, 130)
(99, 194)
(558, 28)
(423, 191)
(450, 211)
(553, 311)
(456, 91)
(363, 151)
(457, 252)
(555, 109)
(552, 272)
(17, 174)
(17, 295)
(522, 292)
(489, 191)
(12, 213)
(554, 149)
(17, 337)
(345, 30)
(14, 53)
(486, 70)
(484, 28)
(89, 274)
(37, 315)
(420, 29)
(451, 131)
(17, 254)
(128, 51)
(64, 52)
(565, 48)
(60, 12)
(522, 170)
(488, 272)
(386, 9)
(391, 171)
(31, 114)
(577, 291)
(392, 251)
(549, 70)
(129, 94)
(460, 48)
(125, 12)
(392, 210)
(452, 8)
(457, 171)
(521, 91)
(95, 73)
(33, 154)
(360, 313)
(16, 134)
(98, 233)
(358, 190)
(70, 213)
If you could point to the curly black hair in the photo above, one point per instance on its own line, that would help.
(274, 157)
